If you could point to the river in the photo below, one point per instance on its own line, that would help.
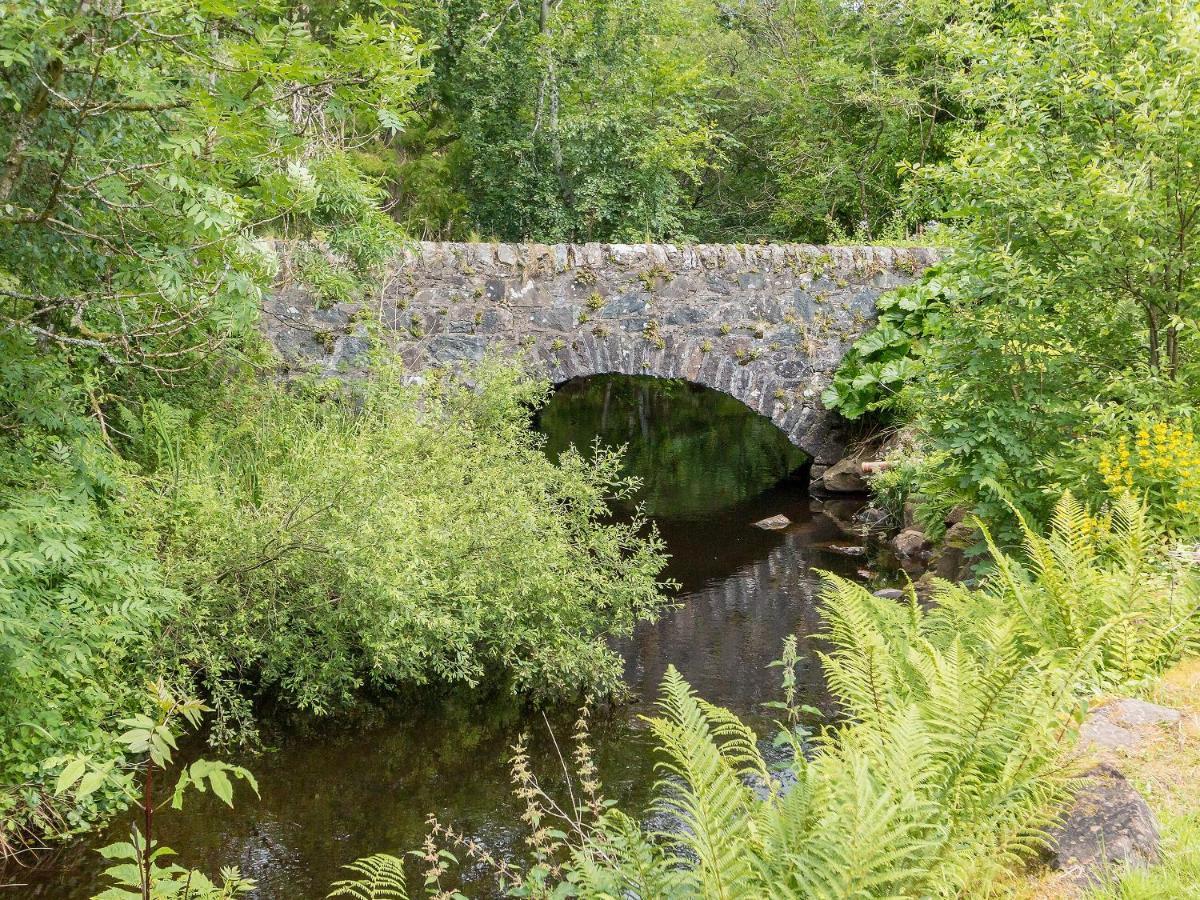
(336, 790)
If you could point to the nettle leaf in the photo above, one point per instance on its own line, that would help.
(70, 774)
(91, 782)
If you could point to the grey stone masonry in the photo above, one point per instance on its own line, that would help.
(766, 324)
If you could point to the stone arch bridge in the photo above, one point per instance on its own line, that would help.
(766, 324)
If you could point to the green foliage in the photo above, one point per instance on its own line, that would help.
(564, 120)
(80, 602)
(951, 757)
(1072, 309)
(825, 101)
(872, 374)
(624, 120)
(393, 538)
(379, 877)
(1077, 286)
(949, 764)
(1093, 582)
(140, 869)
(146, 145)
(146, 149)
(1080, 182)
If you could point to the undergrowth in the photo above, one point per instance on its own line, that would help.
(947, 773)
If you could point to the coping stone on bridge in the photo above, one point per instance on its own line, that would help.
(767, 324)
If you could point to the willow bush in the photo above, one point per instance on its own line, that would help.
(395, 537)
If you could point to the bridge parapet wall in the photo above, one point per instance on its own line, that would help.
(767, 324)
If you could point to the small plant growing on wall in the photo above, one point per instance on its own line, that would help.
(760, 329)
(600, 331)
(706, 346)
(651, 276)
(651, 334)
(416, 326)
(586, 276)
(326, 340)
(725, 328)
(595, 301)
(557, 344)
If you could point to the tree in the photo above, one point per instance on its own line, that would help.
(148, 143)
(1086, 172)
(570, 120)
(823, 102)
(1079, 204)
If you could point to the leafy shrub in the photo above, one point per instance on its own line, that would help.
(80, 599)
(398, 537)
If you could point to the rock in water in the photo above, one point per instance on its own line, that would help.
(773, 523)
(1108, 824)
(844, 477)
(911, 542)
(845, 549)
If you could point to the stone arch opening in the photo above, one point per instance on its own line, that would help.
(793, 408)
(696, 450)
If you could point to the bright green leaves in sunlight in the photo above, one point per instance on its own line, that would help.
(888, 356)
(1077, 274)
(147, 150)
(420, 538)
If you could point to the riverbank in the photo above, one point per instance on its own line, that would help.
(1163, 765)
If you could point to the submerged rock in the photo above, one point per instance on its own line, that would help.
(773, 523)
(872, 517)
(1108, 824)
(845, 549)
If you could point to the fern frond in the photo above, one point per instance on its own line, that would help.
(709, 797)
(380, 877)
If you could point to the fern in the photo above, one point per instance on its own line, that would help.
(380, 877)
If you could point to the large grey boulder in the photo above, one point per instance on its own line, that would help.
(1124, 725)
(1108, 824)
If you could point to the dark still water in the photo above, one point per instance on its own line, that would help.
(334, 791)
